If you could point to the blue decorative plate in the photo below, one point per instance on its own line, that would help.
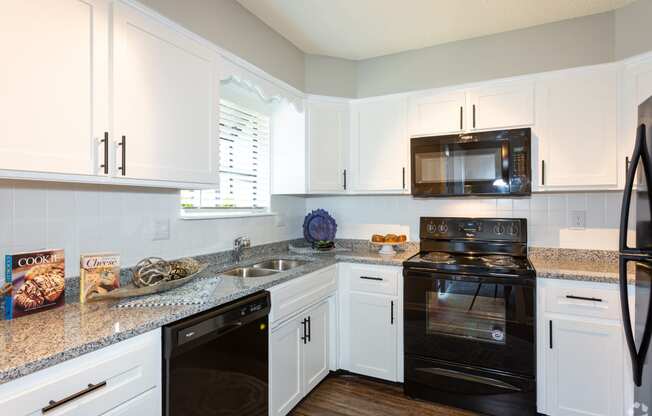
(319, 226)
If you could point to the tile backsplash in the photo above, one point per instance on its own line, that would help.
(549, 215)
(90, 218)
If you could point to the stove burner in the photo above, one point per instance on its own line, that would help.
(439, 257)
(498, 261)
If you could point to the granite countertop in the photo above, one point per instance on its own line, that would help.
(35, 342)
(599, 266)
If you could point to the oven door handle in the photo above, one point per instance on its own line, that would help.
(469, 377)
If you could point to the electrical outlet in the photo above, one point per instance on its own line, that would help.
(577, 219)
(161, 229)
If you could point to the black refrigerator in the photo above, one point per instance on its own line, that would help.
(635, 262)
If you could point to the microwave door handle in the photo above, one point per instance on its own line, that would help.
(504, 156)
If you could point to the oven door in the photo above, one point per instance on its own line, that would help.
(447, 165)
(482, 322)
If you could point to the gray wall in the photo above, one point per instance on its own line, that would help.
(331, 76)
(633, 25)
(582, 41)
(231, 26)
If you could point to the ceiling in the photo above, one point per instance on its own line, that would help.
(361, 29)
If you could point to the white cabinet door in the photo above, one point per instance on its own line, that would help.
(584, 368)
(316, 349)
(54, 79)
(577, 128)
(380, 146)
(166, 101)
(285, 367)
(327, 132)
(637, 87)
(147, 404)
(501, 106)
(372, 337)
(434, 114)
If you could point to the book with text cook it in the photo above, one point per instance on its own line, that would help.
(35, 282)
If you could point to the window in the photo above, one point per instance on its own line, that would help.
(244, 164)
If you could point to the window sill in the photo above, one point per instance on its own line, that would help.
(212, 215)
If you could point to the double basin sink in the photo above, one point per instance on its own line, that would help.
(264, 268)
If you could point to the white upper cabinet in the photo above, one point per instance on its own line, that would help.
(501, 106)
(576, 128)
(637, 87)
(328, 126)
(288, 167)
(53, 98)
(434, 114)
(166, 101)
(379, 146)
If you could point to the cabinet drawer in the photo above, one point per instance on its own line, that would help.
(581, 299)
(300, 293)
(374, 279)
(101, 381)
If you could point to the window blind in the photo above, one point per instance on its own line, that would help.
(244, 163)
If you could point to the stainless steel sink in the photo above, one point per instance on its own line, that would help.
(248, 272)
(279, 264)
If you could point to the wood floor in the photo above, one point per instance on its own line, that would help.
(346, 395)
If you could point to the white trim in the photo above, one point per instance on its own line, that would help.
(213, 214)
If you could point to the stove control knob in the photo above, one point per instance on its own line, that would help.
(499, 229)
(432, 228)
(443, 228)
(514, 229)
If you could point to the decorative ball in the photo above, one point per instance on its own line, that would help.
(151, 271)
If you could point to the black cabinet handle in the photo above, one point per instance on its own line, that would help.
(53, 404)
(345, 179)
(461, 117)
(550, 333)
(583, 298)
(123, 144)
(473, 115)
(304, 338)
(309, 329)
(543, 172)
(403, 178)
(391, 315)
(105, 164)
(380, 279)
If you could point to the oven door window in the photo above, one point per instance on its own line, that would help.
(467, 310)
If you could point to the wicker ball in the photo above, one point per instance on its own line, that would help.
(151, 271)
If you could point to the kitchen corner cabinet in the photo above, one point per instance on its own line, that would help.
(122, 379)
(105, 92)
(576, 129)
(54, 96)
(582, 360)
(379, 146)
(328, 130)
(371, 319)
(299, 357)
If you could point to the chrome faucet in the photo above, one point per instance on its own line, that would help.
(239, 244)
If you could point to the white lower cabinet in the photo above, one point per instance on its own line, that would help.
(582, 361)
(299, 357)
(371, 321)
(122, 379)
(373, 336)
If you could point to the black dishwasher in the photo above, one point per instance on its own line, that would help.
(215, 363)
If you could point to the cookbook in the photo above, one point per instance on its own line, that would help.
(99, 274)
(35, 282)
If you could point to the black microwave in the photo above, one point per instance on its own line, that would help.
(485, 163)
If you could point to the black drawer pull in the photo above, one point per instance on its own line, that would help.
(550, 333)
(391, 317)
(380, 279)
(583, 298)
(54, 404)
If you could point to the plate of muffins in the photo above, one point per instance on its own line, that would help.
(387, 242)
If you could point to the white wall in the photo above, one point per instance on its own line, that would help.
(91, 218)
(547, 215)
(633, 29)
(331, 76)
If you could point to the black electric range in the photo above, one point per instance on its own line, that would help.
(469, 316)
